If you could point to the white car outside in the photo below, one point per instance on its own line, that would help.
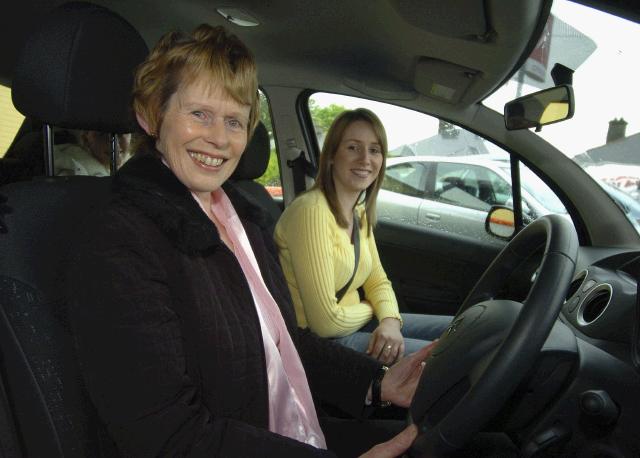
(455, 193)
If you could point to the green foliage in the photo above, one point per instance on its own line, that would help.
(265, 116)
(323, 117)
(271, 176)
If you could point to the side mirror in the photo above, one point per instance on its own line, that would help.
(540, 108)
(500, 222)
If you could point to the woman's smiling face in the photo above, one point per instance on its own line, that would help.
(358, 160)
(203, 135)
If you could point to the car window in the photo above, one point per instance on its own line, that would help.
(464, 185)
(84, 152)
(10, 120)
(271, 177)
(534, 186)
(405, 179)
(496, 190)
(439, 175)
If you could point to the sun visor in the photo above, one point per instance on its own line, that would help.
(379, 88)
(443, 80)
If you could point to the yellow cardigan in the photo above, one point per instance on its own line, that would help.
(317, 258)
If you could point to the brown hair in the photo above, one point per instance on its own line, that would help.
(179, 59)
(324, 179)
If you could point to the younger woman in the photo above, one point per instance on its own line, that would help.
(316, 237)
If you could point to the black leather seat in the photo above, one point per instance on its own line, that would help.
(252, 165)
(75, 71)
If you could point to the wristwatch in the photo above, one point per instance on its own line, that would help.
(376, 389)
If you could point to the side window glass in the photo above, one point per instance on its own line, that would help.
(10, 120)
(405, 179)
(500, 190)
(75, 152)
(458, 184)
(439, 175)
(271, 177)
(87, 152)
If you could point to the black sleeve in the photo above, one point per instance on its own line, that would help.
(130, 348)
(337, 374)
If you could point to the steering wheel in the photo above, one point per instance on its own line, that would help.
(491, 344)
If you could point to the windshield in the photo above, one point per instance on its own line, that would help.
(603, 136)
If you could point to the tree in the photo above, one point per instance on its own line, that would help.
(271, 176)
(323, 116)
(265, 116)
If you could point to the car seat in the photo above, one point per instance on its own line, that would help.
(252, 165)
(74, 71)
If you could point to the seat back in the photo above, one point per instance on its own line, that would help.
(252, 165)
(75, 71)
(52, 413)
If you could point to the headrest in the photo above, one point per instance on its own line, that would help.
(76, 69)
(255, 158)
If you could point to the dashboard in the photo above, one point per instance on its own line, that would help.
(601, 300)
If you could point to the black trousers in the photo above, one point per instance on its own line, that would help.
(350, 438)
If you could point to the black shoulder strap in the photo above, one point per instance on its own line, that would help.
(301, 168)
(355, 239)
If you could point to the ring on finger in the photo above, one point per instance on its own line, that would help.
(388, 348)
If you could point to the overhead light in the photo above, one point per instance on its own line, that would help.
(238, 17)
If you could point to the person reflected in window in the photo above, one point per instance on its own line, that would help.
(183, 323)
(90, 153)
(316, 240)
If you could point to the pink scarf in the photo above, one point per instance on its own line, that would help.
(291, 409)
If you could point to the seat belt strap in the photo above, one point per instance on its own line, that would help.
(301, 169)
(355, 239)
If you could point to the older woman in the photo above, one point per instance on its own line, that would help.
(316, 237)
(184, 325)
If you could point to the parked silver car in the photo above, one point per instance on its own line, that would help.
(455, 193)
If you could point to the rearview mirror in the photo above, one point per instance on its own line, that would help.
(540, 108)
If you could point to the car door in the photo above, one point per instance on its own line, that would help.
(452, 201)
(402, 192)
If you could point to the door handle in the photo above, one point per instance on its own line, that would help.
(432, 216)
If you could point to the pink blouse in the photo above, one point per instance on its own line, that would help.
(291, 409)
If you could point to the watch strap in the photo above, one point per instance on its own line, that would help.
(376, 389)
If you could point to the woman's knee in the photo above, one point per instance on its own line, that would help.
(424, 327)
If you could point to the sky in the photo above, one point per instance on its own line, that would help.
(605, 87)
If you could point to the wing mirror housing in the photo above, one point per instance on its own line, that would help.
(540, 108)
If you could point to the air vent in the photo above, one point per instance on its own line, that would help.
(575, 284)
(595, 304)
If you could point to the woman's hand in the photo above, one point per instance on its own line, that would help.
(386, 343)
(395, 446)
(400, 382)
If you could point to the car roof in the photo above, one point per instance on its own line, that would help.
(453, 52)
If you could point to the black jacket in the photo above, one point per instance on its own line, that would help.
(167, 332)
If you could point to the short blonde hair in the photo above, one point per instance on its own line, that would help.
(180, 59)
(324, 179)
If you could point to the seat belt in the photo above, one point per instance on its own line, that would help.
(301, 169)
(355, 239)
